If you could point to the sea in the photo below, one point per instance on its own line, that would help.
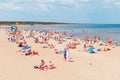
(82, 30)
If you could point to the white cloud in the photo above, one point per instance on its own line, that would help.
(13, 1)
(19, 1)
(77, 6)
(56, 1)
(78, 3)
(84, 0)
(45, 1)
(117, 4)
(52, 4)
(110, 3)
(67, 1)
(9, 6)
(43, 5)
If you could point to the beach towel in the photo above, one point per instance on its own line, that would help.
(26, 47)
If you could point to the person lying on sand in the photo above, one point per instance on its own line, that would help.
(106, 49)
(30, 52)
(42, 66)
(58, 51)
(35, 52)
(51, 65)
(22, 44)
(71, 46)
(51, 46)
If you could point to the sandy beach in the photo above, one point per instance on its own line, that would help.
(15, 65)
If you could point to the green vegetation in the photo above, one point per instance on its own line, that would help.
(10, 23)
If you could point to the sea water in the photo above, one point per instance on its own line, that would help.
(82, 30)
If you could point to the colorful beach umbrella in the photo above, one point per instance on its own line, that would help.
(26, 47)
(14, 28)
(90, 49)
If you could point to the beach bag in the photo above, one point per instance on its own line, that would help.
(35, 67)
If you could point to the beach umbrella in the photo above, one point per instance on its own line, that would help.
(14, 28)
(91, 49)
(26, 47)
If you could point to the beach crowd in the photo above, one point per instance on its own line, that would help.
(53, 39)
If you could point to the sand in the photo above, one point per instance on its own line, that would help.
(85, 66)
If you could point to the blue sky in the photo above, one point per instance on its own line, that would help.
(70, 11)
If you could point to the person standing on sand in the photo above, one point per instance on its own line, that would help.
(84, 46)
(109, 41)
(66, 54)
(115, 43)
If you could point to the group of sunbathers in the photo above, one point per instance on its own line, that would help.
(43, 66)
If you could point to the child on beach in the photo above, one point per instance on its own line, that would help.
(51, 65)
